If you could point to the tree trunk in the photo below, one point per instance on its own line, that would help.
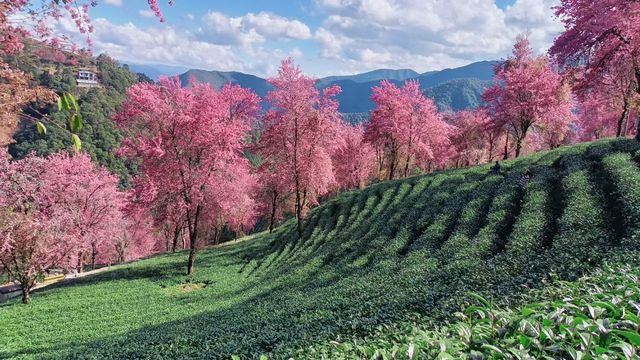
(26, 294)
(298, 207)
(272, 219)
(392, 163)
(506, 147)
(176, 236)
(518, 147)
(193, 238)
(192, 260)
(80, 264)
(625, 115)
(94, 254)
(491, 149)
(406, 166)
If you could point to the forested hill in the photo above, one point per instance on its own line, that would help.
(100, 137)
(453, 89)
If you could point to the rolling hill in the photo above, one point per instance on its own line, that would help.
(455, 89)
(372, 264)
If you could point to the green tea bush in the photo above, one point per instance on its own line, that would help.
(593, 318)
(582, 232)
(372, 265)
(625, 176)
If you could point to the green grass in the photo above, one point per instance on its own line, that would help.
(379, 257)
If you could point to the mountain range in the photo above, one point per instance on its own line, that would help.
(452, 89)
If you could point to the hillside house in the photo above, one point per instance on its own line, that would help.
(87, 78)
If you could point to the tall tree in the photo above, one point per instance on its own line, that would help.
(52, 212)
(527, 92)
(300, 134)
(188, 141)
(603, 38)
(354, 160)
(470, 136)
(89, 198)
(406, 129)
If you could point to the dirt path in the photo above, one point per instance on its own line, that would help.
(69, 278)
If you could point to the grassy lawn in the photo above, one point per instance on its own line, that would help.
(388, 254)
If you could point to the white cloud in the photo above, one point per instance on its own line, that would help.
(429, 34)
(113, 2)
(251, 28)
(170, 46)
(146, 13)
(353, 36)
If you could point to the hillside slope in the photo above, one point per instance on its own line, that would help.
(367, 258)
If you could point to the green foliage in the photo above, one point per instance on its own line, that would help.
(594, 318)
(88, 118)
(369, 262)
(625, 177)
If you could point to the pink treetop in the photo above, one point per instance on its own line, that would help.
(527, 92)
(602, 37)
(469, 136)
(597, 119)
(354, 161)
(300, 134)
(138, 237)
(407, 125)
(31, 241)
(53, 211)
(88, 197)
(188, 140)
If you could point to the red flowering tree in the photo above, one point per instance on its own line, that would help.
(54, 212)
(528, 93)
(471, 137)
(602, 38)
(406, 129)
(88, 197)
(354, 161)
(274, 193)
(300, 134)
(189, 142)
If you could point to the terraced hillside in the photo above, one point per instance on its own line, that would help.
(391, 253)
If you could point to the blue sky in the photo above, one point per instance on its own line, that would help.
(324, 36)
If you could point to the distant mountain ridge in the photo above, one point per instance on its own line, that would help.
(452, 89)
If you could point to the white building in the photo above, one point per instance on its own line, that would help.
(87, 78)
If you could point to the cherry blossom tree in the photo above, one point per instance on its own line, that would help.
(88, 197)
(406, 129)
(528, 92)
(189, 141)
(354, 161)
(300, 135)
(471, 137)
(53, 213)
(602, 40)
(30, 243)
(274, 194)
(137, 236)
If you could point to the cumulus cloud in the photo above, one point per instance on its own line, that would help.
(251, 28)
(429, 34)
(352, 36)
(170, 46)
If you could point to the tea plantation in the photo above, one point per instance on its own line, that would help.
(458, 264)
